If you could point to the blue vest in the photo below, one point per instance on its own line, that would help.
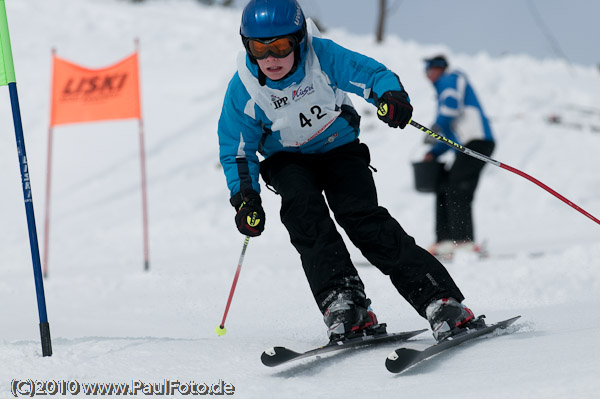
(460, 116)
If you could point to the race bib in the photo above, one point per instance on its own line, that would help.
(301, 111)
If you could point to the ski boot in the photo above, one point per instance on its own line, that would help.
(346, 317)
(446, 250)
(447, 316)
(442, 250)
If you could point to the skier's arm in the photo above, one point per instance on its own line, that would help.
(354, 72)
(239, 137)
(449, 102)
(443, 123)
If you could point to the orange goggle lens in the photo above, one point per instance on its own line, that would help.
(278, 48)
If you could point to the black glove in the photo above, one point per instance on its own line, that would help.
(250, 216)
(395, 109)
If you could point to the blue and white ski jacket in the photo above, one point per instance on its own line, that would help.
(320, 117)
(460, 116)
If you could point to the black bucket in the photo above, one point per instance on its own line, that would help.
(427, 176)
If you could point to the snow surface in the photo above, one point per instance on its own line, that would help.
(112, 322)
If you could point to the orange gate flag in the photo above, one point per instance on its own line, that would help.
(83, 95)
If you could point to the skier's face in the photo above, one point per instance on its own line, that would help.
(276, 68)
(434, 73)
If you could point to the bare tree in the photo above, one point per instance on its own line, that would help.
(381, 21)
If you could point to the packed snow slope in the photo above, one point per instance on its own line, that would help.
(111, 321)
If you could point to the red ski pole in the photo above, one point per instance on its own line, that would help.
(221, 330)
(489, 160)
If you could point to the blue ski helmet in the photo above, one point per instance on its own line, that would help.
(439, 61)
(271, 18)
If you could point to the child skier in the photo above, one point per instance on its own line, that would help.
(288, 102)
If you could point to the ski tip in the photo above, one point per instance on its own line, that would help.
(403, 352)
(272, 351)
(400, 359)
(269, 356)
(393, 356)
(277, 355)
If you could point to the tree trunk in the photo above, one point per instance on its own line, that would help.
(381, 21)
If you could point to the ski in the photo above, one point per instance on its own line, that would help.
(279, 355)
(403, 358)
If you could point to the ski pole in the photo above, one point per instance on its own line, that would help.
(221, 330)
(481, 157)
(8, 78)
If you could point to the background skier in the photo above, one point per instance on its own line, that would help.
(461, 119)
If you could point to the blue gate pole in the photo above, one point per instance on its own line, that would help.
(33, 241)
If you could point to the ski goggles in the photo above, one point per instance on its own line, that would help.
(278, 47)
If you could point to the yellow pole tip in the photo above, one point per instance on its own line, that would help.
(220, 330)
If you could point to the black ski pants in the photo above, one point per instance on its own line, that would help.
(344, 176)
(454, 214)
